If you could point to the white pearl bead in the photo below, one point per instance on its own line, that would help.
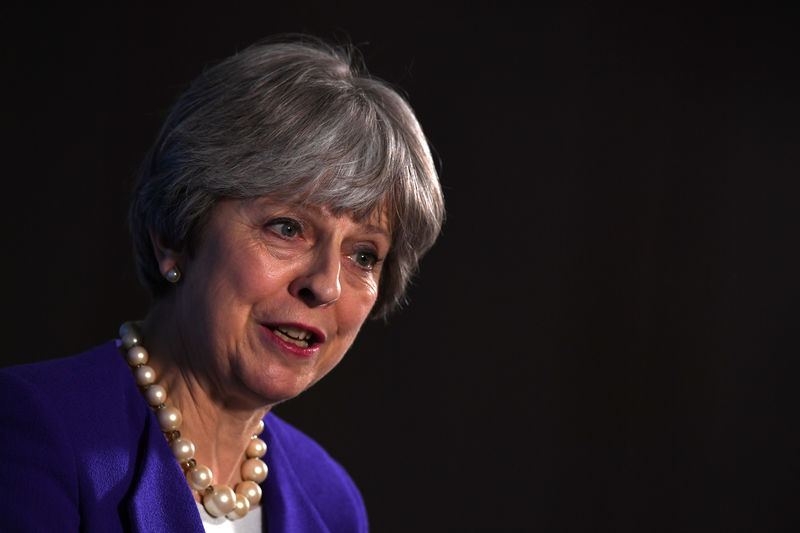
(173, 275)
(144, 375)
(169, 418)
(130, 339)
(155, 394)
(137, 355)
(183, 449)
(199, 477)
(131, 329)
(256, 448)
(219, 502)
(240, 508)
(250, 490)
(254, 470)
(126, 327)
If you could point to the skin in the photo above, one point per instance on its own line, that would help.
(258, 263)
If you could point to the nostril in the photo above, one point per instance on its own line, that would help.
(306, 295)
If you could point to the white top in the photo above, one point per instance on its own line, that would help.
(251, 523)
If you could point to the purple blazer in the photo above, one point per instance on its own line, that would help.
(82, 451)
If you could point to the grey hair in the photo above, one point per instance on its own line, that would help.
(296, 120)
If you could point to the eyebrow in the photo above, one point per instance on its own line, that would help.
(367, 227)
(372, 228)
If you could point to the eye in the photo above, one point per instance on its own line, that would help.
(285, 227)
(366, 259)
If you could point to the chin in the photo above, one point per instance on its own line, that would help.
(269, 391)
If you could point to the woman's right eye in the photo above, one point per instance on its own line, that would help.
(285, 228)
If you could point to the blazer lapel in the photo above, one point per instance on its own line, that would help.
(160, 498)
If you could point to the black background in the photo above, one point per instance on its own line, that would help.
(604, 337)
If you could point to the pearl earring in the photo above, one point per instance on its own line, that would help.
(173, 275)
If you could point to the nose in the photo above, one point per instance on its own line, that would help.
(317, 284)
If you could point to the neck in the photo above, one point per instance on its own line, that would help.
(220, 425)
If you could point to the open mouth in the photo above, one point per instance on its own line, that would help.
(295, 335)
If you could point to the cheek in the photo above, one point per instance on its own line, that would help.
(355, 311)
(253, 274)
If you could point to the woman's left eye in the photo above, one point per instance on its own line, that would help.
(365, 259)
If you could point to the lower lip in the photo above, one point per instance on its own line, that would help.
(289, 347)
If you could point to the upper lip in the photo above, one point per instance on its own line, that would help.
(298, 330)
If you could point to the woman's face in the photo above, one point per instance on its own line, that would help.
(274, 295)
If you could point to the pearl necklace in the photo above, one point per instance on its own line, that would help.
(218, 499)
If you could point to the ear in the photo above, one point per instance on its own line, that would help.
(167, 254)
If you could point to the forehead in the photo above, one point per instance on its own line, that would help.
(376, 221)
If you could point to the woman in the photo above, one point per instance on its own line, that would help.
(288, 197)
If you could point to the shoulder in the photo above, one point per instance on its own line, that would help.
(309, 472)
(96, 375)
(93, 395)
(55, 416)
(48, 411)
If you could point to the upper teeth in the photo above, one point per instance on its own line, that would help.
(294, 332)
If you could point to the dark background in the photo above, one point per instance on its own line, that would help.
(604, 337)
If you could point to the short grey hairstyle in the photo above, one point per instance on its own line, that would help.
(295, 119)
